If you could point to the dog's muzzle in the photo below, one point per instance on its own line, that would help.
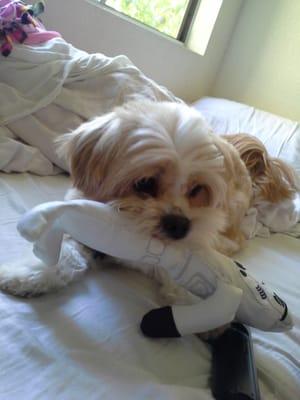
(175, 226)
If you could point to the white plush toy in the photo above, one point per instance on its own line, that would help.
(224, 288)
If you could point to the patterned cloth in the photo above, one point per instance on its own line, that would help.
(19, 23)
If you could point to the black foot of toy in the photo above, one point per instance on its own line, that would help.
(159, 323)
(233, 369)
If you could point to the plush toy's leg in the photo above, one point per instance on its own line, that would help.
(185, 313)
(233, 367)
(203, 316)
(31, 277)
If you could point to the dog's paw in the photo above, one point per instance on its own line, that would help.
(31, 277)
(18, 288)
(26, 280)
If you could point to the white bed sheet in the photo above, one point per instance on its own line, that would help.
(84, 341)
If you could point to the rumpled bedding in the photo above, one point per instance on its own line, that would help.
(52, 89)
(267, 218)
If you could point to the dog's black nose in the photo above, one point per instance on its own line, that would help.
(175, 226)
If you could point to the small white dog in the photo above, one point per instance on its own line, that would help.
(160, 163)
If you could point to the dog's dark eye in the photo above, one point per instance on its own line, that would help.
(146, 186)
(196, 190)
(199, 196)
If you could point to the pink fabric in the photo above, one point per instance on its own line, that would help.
(11, 12)
(38, 34)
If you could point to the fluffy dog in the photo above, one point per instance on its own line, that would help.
(163, 166)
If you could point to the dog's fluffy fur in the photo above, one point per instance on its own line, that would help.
(273, 180)
(163, 166)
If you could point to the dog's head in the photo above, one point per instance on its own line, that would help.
(157, 162)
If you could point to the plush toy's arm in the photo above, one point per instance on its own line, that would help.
(99, 227)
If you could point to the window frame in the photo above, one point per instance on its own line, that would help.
(185, 26)
(187, 20)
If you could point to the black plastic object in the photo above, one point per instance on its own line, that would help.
(233, 368)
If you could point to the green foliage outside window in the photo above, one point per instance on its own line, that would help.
(163, 15)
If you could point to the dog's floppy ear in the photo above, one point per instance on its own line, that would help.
(252, 152)
(277, 180)
(255, 162)
(88, 151)
(282, 182)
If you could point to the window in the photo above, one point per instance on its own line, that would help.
(189, 21)
(172, 17)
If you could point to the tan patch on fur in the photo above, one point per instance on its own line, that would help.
(273, 180)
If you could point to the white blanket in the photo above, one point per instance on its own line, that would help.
(47, 90)
(268, 218)
(33, 76)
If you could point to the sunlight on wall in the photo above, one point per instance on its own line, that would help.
(203, 26)
(261, 66)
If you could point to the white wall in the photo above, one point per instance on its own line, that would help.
(94, 29)
(262, 64)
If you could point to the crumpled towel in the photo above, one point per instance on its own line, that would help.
(267, 218)
(16, 156)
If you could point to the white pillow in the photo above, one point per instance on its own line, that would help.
(281, 136)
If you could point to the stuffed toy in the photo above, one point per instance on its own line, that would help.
(19, 23)
(223, 289)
